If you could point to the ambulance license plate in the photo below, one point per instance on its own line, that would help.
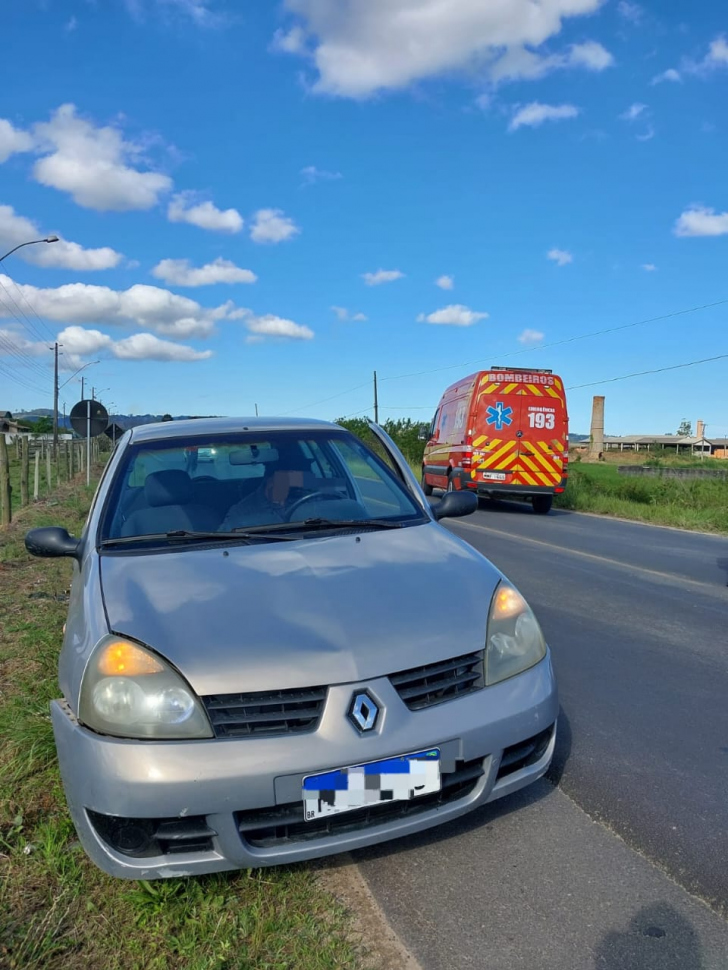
(495, 476)
(391, 780)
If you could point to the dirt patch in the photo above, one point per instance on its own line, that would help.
(381, 947)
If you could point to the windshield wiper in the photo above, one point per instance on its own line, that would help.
(319, 523)
(238, 536)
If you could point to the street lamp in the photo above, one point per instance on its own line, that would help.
(31, 242)
(78, 372)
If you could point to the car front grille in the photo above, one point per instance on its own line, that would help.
(434, 683)
(284, 824)
(265, 714)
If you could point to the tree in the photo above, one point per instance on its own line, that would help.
(686, 429)
(44, 425)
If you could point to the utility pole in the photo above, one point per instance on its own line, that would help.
(376, 400)
(55, 403)
(82, 394)
(93, 393)
(256, 410)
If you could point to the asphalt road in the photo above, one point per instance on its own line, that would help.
(620, 860)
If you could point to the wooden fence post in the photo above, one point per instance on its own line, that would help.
(36, 476)
(49, 472)
(5, 513)
(69, 461)
(24, 472)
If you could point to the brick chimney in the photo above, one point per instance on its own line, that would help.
(700, 433)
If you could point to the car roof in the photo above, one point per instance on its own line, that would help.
(216, 426)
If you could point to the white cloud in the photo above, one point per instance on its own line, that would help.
(633, 112)
(716, 58)
(445, 282)
(630, 11)
(291, 41)
(311, 174)
(382, 276)
(669, 75)
(184, 208)
(534, 114)
(590, 55)
(455, 315)
(79, 342)
(649, 267)
(148, 307)
(560, 256)
(179, 272)
(199, 11)
(13, 140)
(273, 326)
(530, 337)
(717, 55)
(94, 164)
(342, 315)
(15, 229)
(145, 346)
(388, 44)
(519, 63)
(701, 221)
(272, 226)
(647, 135)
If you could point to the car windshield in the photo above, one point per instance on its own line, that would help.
(233, 483)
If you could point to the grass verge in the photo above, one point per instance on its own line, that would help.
(697, 504)
(56, 909)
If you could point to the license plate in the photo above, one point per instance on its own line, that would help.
(391, 780)
(495, 476)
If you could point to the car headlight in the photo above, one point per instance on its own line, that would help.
(514, 638)
(130, 692)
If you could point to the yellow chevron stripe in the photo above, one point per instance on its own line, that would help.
(508, 388)
(544, 446)
(529, 464)
(551, 473)
(552, 392)
(527, 479)
(508, 446)
(478, 441)
(535, 390)
(489, 389)
(558, 444)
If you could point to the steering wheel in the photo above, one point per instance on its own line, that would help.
(326, 496)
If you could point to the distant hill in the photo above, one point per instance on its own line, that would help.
(124, 421)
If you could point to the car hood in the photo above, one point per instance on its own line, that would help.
(314, 611)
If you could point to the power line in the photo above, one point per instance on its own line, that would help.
(12, 376)
(40, 319)
(30, 327)
(642, 373)
(324, 401)
(558, 343)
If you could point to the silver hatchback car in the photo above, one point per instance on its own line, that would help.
(277, 653)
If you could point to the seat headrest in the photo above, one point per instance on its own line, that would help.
(171, 487)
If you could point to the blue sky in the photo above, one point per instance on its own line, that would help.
(263, 203)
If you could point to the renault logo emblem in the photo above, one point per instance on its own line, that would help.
(363, 711)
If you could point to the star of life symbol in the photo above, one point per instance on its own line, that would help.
(499, 415)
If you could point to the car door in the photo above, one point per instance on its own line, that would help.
(401, 467)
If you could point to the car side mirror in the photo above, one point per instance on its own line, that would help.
(51, 542)
(453, 505)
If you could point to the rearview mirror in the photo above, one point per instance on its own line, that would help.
(51, 542)
(453, 505)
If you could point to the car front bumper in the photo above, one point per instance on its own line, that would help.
(229, 804)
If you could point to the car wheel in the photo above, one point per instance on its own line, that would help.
(427, 489)
(542, 504)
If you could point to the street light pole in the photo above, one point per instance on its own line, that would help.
(55, 403)
(31, 242)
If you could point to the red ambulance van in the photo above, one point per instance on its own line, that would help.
(502, 432)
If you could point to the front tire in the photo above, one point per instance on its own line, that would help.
(427, 489)
(542, 504)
